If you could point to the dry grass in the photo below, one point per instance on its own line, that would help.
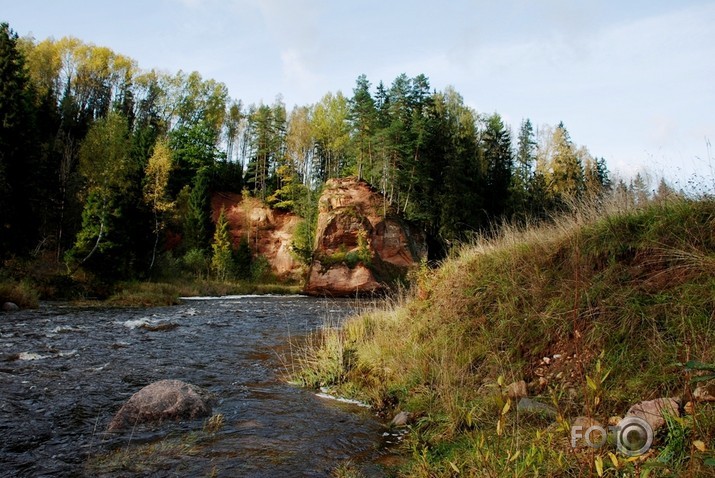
(21, 293)
(633, 286)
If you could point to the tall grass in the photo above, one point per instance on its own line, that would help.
(610, 288)
(21, 293)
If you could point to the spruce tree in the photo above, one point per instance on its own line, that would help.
(18, 170)
(567, 171)
(495, 148)
(197, 224)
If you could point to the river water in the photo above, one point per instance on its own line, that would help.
(65, 371)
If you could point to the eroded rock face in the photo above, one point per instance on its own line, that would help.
(361, 244)
(269, 232)
(340, 280)
(161, 401)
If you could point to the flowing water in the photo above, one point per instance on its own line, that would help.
(65, 371)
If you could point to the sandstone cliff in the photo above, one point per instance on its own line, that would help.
(269, 232)
(361, 244)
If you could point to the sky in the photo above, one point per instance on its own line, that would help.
(631, 80)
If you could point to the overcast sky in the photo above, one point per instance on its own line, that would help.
(631, 79)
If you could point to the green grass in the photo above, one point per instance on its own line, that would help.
(153, 294)
(622, 297)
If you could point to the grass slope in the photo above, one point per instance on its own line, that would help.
(594, 312)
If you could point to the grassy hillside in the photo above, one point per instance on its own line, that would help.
(596, 313)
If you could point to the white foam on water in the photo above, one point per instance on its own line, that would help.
(133, 324)
(64, 328)
(243, 296)
(100, 368)
(31, 356)
(342, 400)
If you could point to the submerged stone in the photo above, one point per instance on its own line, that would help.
(10, 307)
(161, 401)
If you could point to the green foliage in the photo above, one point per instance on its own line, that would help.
(193, 147)
(222, 258)
(196, 262)
(695, 366)
(102, 244)
(197, 222)
(80, 121)
(304, 241)
(243, 258)
(268, 125)
(567, 176)
(303, 244)
(144, 294)
(495, 150)
(331, 135)
(97, 218)
(676, 445)
(18, 167)
(261, 270)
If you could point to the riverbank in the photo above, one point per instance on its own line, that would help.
(27, 293)
(586, 317)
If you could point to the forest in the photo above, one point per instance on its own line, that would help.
(109, 168)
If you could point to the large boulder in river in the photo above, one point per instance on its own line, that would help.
(160, 401)
(362, 243)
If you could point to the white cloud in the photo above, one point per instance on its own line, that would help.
(297, 72)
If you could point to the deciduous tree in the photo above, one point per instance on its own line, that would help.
(156, 193)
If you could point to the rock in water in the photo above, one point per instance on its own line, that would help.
(163, 400)
(10, 307)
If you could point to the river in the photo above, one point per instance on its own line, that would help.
(64, 372)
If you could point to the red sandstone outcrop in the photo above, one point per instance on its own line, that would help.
(269, 231)
(361, 244)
